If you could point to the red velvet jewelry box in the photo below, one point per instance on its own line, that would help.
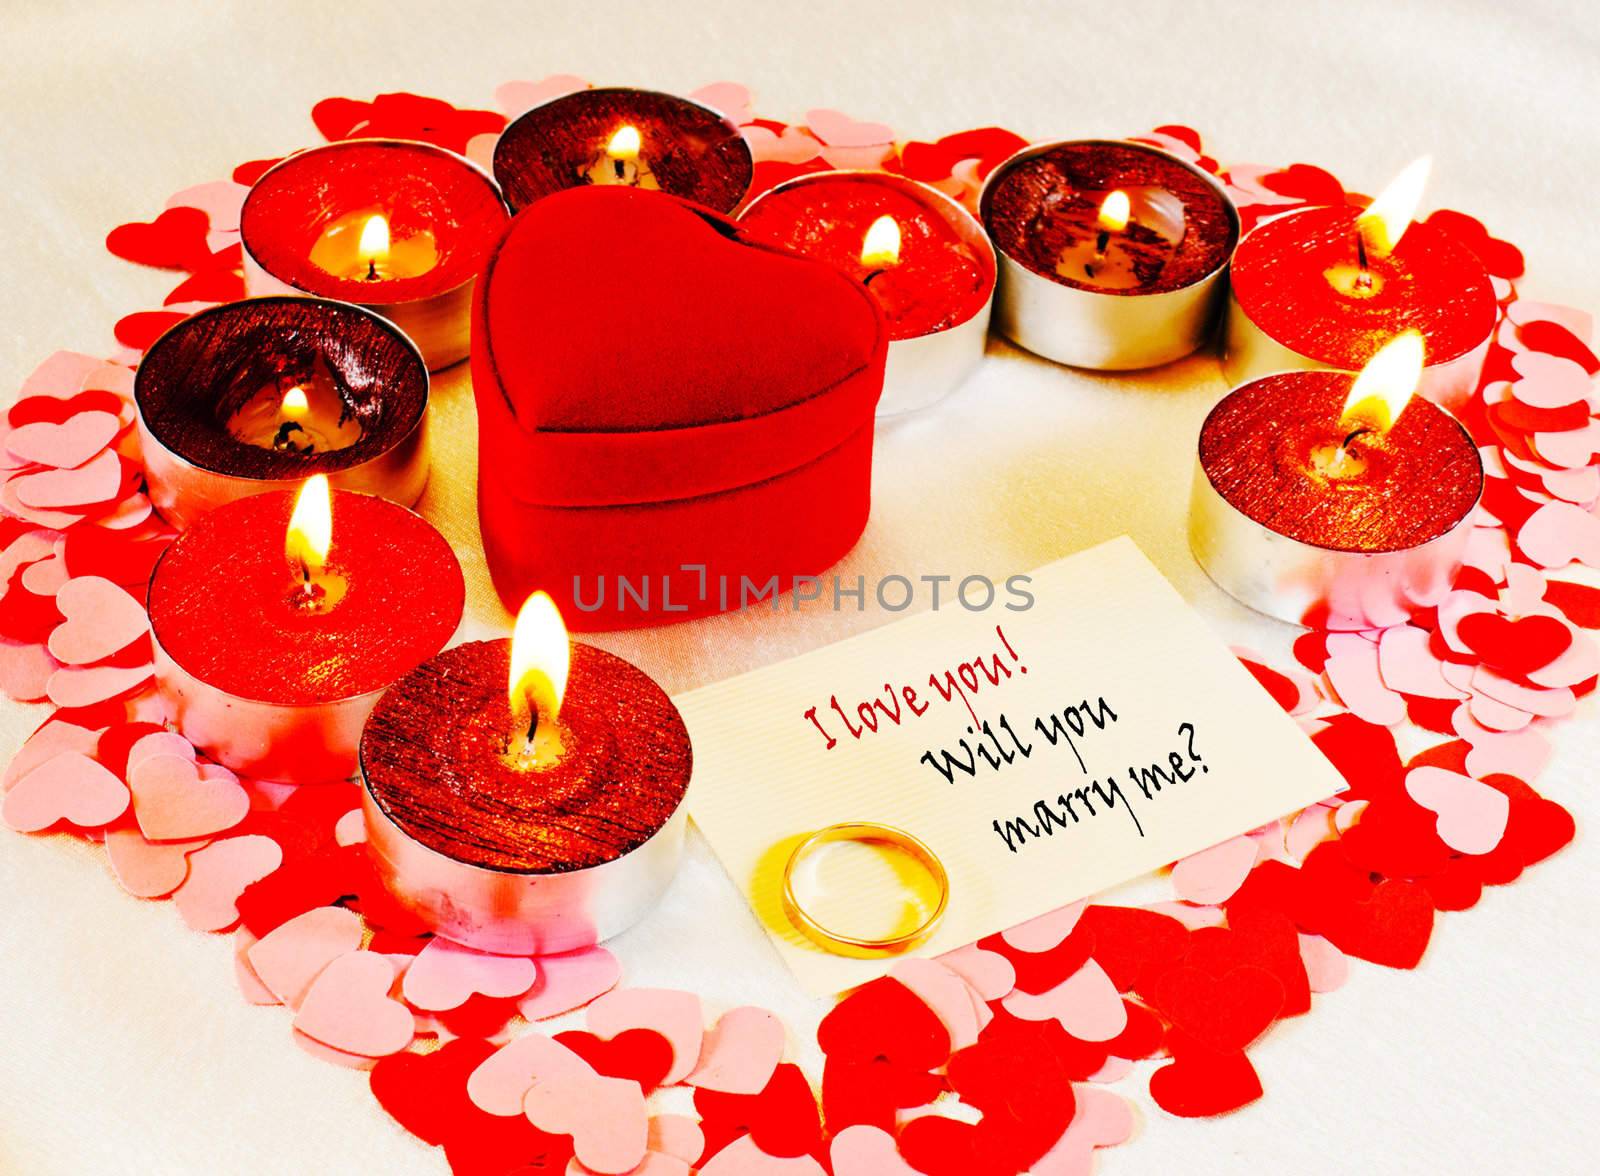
(669, 415)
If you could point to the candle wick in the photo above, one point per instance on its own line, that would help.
(877, 273)
(1102, 243)
(372, 269)
(1364, 279)
(1351, 436)
(620, 168)
(533, 730)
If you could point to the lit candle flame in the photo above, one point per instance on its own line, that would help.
(625, 144)
(1385, 386)
(881, 246)
(294, 404)
(1389, 215)
(1115, 211)
(540, 658)
(310, 532)
(374, 246)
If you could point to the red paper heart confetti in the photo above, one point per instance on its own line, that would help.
(174, 240)
(1202, 1081)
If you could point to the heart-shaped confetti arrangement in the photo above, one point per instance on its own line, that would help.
(989, 1059)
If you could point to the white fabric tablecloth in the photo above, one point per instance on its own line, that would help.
(125, 1044)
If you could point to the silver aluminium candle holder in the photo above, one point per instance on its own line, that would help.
(439, 324)
(923, 370)
(513, 913)
(1105, 331)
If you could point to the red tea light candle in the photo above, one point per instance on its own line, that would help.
(397, 226)
(925, 259)
(1331, 502)
(1325, 287)
(614, 135)
(1113, 255)
(245, 397)
(536, 819)
(279, 619)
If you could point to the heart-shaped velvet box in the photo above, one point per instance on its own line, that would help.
(670, 417)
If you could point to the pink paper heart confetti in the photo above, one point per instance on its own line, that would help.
(678, 1136)
(61, 375)
(570, 981)
(158, 743)
(673, 1014)
(743, 1158)
(174, 801)
(45, 744)
(840, 130)
(1213, 875)
(101, 618)
(348, 1006)
(1046, 931)
(727, 98)
(946, 993)
(250, 986)
(66, 445)
(1544, 703)
(1549, 381)
(865, 1150)
(1355, 676)
(95, 481)
(446, 974)
(145, 869)
(1522, 754)
(500, 1081)
(218, 874)
(1086, 1004)
(605, 1117)
(988, 973)
(1558, 533)
(25, 670)
(740, 1052)
(1408, 665)
(1101, 1119)
(67, 787)
(74, 686)
(290, 957)
(1472, 815)
(1327, 968)
(350, 829)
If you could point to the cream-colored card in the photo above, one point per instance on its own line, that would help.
(1044, 754)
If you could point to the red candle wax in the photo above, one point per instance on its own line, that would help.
(614, 135)
(517, 851)
(1296, 279)
(303, 221)
(1043, 211)
(218, 420)
(1277, 451)
(441, 755)
(274, 684)
(938, 281)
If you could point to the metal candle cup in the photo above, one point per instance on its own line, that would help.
(619, 135)
(1284, 314)
(1301, 547)
(198, 378)
(922, 367)
(525, 856)
(272, 688)
(1109, 329)
(303, 229)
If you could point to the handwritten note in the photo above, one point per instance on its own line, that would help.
(1044, 753)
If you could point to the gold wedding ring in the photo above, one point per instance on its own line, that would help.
(868, 832)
